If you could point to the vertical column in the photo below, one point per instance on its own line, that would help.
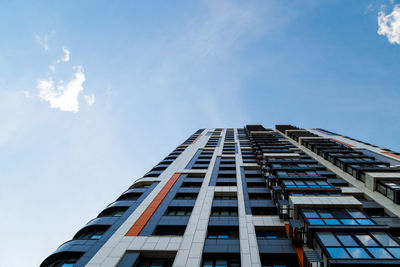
(191, 248)
(249, 253)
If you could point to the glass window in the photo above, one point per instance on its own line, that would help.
(347, 240)
(366, 240)
(221, 263)
(379, 253)
(358, 253)
(325, 214)
(338, 253)
(348, 221)
(356, 214)
(328, 239)
(331, 222)
(208, 264)
(384, 239)
(118, 213)
(315, 221)
(310, 214)
(395, 252)
(365, 222)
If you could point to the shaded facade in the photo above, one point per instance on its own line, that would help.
(252, 196)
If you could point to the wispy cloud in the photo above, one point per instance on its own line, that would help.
(42, 41)
(66, 56)
(60, 95)
(389, 25)
(90, 99)
(63, 97)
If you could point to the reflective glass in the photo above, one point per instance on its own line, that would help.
(356, 214)
(347, 240)
(366, 240)
(310, 214)
(395, 252)
(208, 264)
(221, 263)
(325, 214)
(384, 239)
(358, 253)
(157, 263)
(328, 239)
(379, 253)
(316, 222)
(365, 222)
(348, 221)
(96, 236)
(338, 253)
(331, 222)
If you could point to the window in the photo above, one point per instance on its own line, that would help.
(225, 197)
(113, 212)
(91, 234)
(224, 262)
(222, 232)
(179, 211)
(171, 230)
(306, 184)
(374, 245)
(270, 234)
(336, 217)
(224, 212)
(390, 189)
(151, 262)
(259, 196)
(186, 196)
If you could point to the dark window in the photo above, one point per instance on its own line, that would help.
(225, 197)
(221, 262)
(169, 230)
(227, 211)
(187, 196)
(221, 232)
(179, 211)
(270, 234)
(151, 262)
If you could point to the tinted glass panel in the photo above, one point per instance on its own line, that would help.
(395, 252)
(358, 253)
(347, 240)
(379, 253)
(385, 239)
(328, 239)
(366, 240)
(338, 253)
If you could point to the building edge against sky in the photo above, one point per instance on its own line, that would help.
(252, 197)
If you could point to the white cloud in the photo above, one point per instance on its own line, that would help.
(42, 41)
(90, 99)
(389, 25)
(66, 56)
(63, 97)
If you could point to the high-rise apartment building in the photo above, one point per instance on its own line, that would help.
(252, 197)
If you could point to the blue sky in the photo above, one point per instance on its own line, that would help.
(95, 93)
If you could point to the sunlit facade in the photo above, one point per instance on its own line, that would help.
(252, 196)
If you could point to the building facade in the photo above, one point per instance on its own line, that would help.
(229, 197)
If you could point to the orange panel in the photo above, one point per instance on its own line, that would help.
(195, 140)
(299, 252)
(287, 230)
(391, 154)
(343, 143)
(141, 222)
